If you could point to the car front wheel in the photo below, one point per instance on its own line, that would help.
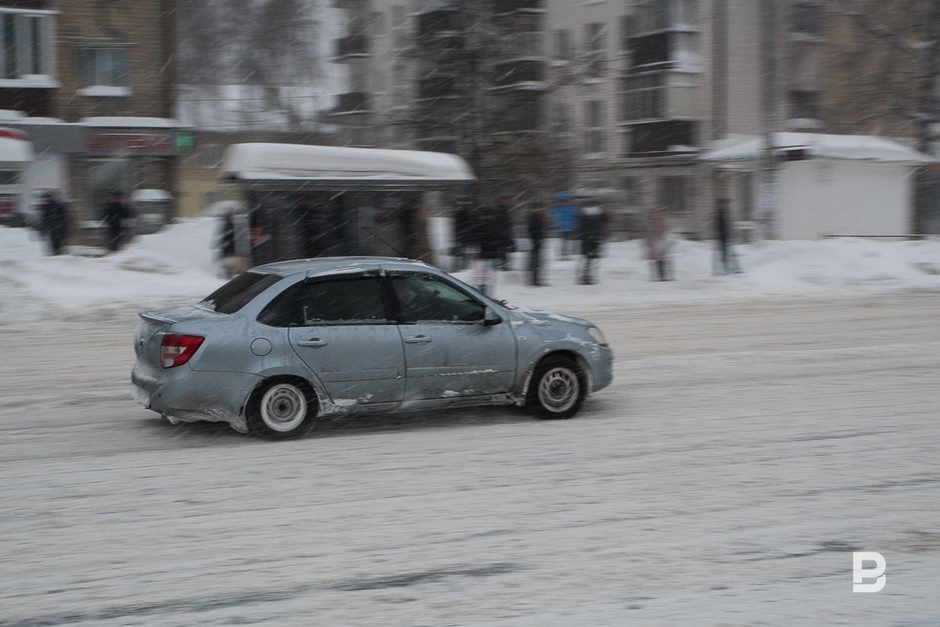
(281, 409)
(557, 389)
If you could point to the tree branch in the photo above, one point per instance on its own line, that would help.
(849, 8)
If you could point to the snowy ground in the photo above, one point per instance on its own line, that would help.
(744, 450)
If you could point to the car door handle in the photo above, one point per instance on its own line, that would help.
(418, 339)
(315, 342)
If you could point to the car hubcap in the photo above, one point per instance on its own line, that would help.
(559, 389)
(283, 407)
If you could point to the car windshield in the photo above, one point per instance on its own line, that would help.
(239, 291)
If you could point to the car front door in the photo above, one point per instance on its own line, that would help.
(449, 351)
(339, 327)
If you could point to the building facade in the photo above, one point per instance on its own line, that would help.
(626, 94)
(91, 84)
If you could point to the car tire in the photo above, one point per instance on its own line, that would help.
(281, 409)
(557, 389)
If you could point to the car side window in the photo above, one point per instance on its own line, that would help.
(426, 298)
(353, 300)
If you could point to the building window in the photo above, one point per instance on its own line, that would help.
(643, 97)
(631, 193)
(804, 105)
(561, 45)
(377, 24)
(105, 66)
(674, 194)
(561, 122)
(595, 131)
(399, 26)
(807, 18)
(627, 30)
(652, 16)
(595, 38)
(26, 43)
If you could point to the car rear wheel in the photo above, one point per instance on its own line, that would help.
(281, 409)
(557, 389)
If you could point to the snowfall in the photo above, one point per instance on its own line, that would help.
(761, 428)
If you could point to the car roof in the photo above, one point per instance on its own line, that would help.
(327, 265)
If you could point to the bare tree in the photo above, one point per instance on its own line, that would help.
(901, 78)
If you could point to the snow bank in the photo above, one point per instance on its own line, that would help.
(177, 265)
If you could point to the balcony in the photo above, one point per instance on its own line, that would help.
(521, 74)
(352, 103)
(352, 47)
(508, 7)
(443, 22)
(662, 136)
(437, 87)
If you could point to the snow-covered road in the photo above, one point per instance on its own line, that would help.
(743, 452)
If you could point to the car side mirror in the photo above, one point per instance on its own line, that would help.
(490, 317)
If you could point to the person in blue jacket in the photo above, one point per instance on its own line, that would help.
(565, 218)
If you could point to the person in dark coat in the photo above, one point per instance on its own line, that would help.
(465, 237)
(506, 242)
(593, 222)
(726, 259)
(55, 222)
(491, 237)
(115, 213)
(536, 224)
(657, 244)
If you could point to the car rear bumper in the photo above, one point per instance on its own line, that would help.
(194, 395)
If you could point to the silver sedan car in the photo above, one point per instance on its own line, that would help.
(283, 344)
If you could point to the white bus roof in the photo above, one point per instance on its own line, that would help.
(331, 166)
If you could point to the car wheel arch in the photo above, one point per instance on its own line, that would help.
(573, 355)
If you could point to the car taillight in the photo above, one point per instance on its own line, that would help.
(176, 349)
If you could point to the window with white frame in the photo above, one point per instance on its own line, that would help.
(561, 45)
(26, 44)
(644, 97)
(105, 67)
(595, 131)
(595, 37)
(657, 15)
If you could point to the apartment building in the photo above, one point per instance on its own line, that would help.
(628, 93)
(90, 83)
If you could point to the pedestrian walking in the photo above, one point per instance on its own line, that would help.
(565, 219)
(492, 243)
(593, 221)
(54, 222)
(507, 243)
(115, 215)
(464, 234)
(726, 260)
(657, 245)
(536, 224)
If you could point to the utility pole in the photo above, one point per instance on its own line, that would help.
(769, 188)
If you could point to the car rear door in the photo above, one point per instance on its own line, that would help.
(339, 327)
(449, 351)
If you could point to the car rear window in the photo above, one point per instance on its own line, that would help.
(239, 292)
